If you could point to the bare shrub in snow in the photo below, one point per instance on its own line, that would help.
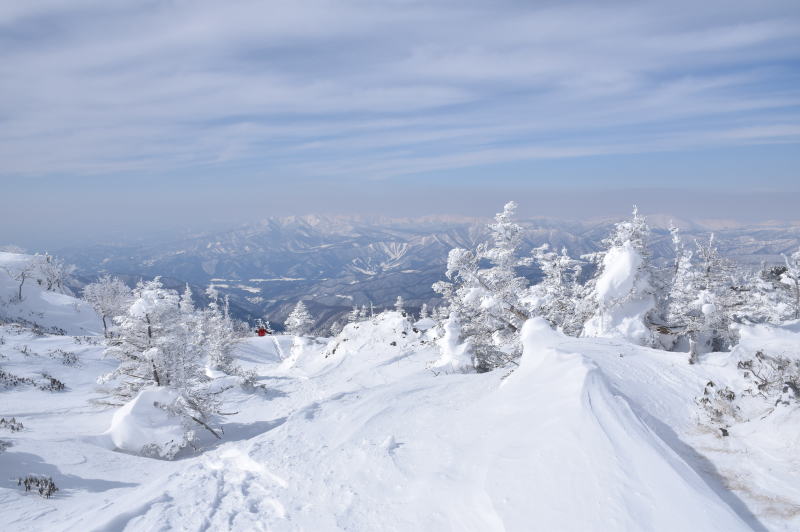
(68, 358)
(9, 380)
(771, 382)
(50, 384)
(11, 424)
(774, 378)
(719, 406)
(42, 485)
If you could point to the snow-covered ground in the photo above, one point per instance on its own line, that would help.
(358, 434)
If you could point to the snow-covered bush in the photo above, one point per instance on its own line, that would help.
(768, 384)
(772, 377)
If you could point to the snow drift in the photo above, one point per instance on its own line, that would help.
(587, 457)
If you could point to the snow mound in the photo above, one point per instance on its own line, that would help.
(782, 340)
(143, 427)
(384, 335)
(455, 355)
(50, 310)
(565, 426)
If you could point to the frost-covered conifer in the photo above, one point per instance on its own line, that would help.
(336, 328)
(485, 293)
(423, 311)
(768, 298)
(219, 337)
(716, 297)
(791, 278)
(398, 305)
(109, 297)
(354, 315)
(557, 296)
(621, 291)
(154, 349)
(299, 322)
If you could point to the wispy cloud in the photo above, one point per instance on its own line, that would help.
(381, 89)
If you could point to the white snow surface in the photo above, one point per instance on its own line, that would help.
(46, 309)
(142, 424)
(357, 434)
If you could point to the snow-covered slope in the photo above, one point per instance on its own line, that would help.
(356, 433)
(49, 310)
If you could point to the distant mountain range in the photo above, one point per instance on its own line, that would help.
(334, 263)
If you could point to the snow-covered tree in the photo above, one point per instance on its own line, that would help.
(622, 291)
(109, 297)
(683, 315)
(423, 311)
(717, 297)
(336, 327)
(485, 293)
(398, 305)
(20, 272)
(219, 336)
(299, 322)
(51, 273)
(556, 298)
(153, 350)
(768, 298)
(791, 278)
(354, 315)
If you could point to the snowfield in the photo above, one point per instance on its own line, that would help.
(358, 434)
(370, 431)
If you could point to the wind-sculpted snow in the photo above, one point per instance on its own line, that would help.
(358, 434)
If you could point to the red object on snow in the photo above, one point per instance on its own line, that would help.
(262, 331)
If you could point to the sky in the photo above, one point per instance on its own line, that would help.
(159, 115)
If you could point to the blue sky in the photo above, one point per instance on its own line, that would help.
(198, 104)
